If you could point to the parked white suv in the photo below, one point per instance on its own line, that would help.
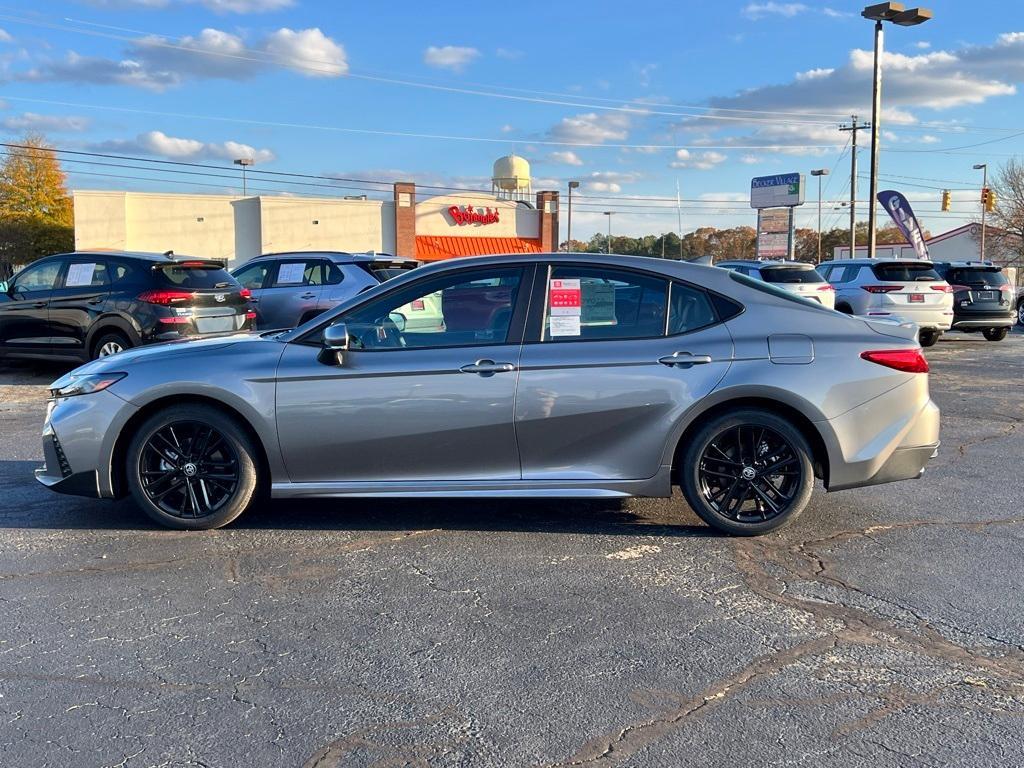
(885, 288)
(796, 277)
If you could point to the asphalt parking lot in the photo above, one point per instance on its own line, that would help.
(884, 628)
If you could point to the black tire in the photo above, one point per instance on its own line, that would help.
(719, 464)
(995, 334)
(927, 338)
(192, 467)
(846, 309)
(109, 343)
(1020, 312)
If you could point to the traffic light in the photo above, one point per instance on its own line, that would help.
(984, 198)
(947, 199)
(990, 200)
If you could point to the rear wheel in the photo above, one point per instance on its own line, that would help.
(995, 334)
(110, 343)
(1020, 312)
(844, 308)
(747, 473)
(927, 338)
(192, 467)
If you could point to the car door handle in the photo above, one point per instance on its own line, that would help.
(487, 367)
(254, 300)
(38, 304)
(684, 360)
(95, 300)
(308, 296)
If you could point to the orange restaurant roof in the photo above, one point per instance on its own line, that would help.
(437, 247)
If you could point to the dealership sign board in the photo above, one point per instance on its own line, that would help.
(781, 190)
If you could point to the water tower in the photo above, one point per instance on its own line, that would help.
(511, 178)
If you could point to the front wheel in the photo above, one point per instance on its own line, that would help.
(995, 334)
(110, 343)
(927, 338)
(1020, 313)
(192, 467)
(747, 473)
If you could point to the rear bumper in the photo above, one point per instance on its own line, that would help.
(928, 319)
(902, 464)
(1002, 320)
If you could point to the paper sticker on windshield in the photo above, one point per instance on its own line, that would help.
(79, 274)
(564, 325)
(565, 299)
(288, 274)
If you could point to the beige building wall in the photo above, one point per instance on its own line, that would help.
(305, 224)
(100, 222)
(514, 220)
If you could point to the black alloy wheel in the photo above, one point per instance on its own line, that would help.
(995, 334)
(193, 467)
(188, 469)
(748, 473)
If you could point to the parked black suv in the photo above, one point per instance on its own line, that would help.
(81, 306)
(982, 297)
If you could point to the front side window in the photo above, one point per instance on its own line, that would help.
(39, 277)
(467, 309)
(253, 276)
(594, 303)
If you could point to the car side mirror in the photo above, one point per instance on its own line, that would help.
(398, 319)
(4, 287)
(334, 345)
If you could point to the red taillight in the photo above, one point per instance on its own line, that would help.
(882, 288)
(164, 297)
(949, 288)
(1007, 288)
(245, 293)
(825, 287)
(906, 360)
(250, 315)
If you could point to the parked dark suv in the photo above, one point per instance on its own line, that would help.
(982, 297)
(80, 306)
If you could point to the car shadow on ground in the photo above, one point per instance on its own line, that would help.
(38, 508)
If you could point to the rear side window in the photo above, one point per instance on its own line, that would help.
(592, 303)
(976, 276)
(122, 272)
(904, 273)
(193, 278)
(81, 274)
(790, 275)
(296, 273)
(759, 285)
(689, 309)
(385, 271)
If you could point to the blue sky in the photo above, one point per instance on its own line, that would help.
(628, 98)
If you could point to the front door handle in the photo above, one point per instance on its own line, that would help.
(684, 360)
(38, 304)
(95, 300)
(308, 296)
(487, 367)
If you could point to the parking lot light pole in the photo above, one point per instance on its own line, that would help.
(819, 172)
(568, 239)
(897, 14)
(245, 162)
(983, 167)
(608, 249)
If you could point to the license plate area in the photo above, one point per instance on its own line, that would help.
(985, 295)
(915, 298)
(219, 324)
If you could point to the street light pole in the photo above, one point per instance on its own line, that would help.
(819, 172)
(608, 249)
(572, 185)
(245, 162)
(878, 13)
(983, 167)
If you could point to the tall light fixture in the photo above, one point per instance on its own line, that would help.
(819, 172)
(897, 14)
(983, 167)
(608, 249)
(572, 185)
(245, 162)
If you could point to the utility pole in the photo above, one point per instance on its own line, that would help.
(853, 127)
(983, 167)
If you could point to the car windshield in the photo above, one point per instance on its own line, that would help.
(789, 274)
(977, 276)
(763, 287)
(905, 273)
(386, 271)
(194, 277)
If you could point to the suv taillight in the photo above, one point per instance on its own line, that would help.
(949, 288)
(906, 360)
(245, 293)
(881, 288)
(826, 287)
(165, 297)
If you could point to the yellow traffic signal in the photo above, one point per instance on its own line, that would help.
(946, 199)
(990, 200)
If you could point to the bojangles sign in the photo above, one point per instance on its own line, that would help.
(466, 214)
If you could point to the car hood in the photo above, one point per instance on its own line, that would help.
(172, 351)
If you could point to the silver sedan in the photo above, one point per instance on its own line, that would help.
(542, 375)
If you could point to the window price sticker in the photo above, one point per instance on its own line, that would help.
(291, 273)
(79, 274)
(565, 299)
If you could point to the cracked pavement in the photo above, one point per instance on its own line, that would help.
(883, 628)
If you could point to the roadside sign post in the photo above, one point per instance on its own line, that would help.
(774, 198)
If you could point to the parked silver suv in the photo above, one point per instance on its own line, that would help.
(910, 289)
(290, 288)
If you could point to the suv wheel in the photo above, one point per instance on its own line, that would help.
(1020, 312)
(192, 467)
(995, 334)
(927, 337)
(110, 344)
(747, 473)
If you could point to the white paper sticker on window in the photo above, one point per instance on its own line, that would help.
(565, 325)
(289, 274)
(79, 274)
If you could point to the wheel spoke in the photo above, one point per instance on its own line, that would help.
(764, 497)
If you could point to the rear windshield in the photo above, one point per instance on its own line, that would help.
(791, 275)
(903, 273)
(763, 287)
(385, 271)
(977, 276)
(194, 278)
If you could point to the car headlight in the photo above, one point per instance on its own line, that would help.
(83, 383)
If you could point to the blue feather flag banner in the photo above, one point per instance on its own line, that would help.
(901, 212)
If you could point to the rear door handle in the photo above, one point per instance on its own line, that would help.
(308, 296)
(38, 304)
(684, 360)
(487, 367)
(95, 300)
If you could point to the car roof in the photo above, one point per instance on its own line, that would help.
(168, 257)
(338, 257)
(768, 263)
(868, 262)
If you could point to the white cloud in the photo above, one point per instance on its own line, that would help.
(608, 181)
(160, 144)
(814, 74)
(922, 45)
(217, 6)
(591, 128)
(509, 54)
(507, 128)
(155, 63)
(760, 10)
(30, 121)
(5, 36)
(750, 159)
(453, 57)
(565, 158)
(701, 161)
